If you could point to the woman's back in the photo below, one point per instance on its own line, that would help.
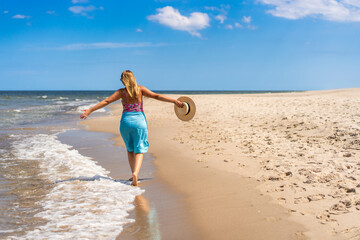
(131, 104)
(127, 99)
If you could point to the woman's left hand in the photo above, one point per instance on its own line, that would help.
(179, 104)
(85, 114)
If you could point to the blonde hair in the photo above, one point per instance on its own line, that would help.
(129, 81)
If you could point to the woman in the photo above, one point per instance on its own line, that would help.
(133, 125)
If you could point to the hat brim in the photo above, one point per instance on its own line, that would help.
(191, 112)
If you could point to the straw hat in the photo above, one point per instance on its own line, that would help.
(187, 112)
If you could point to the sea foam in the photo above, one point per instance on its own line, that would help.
(81, 108)
(84, 203)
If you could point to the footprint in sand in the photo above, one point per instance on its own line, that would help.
(337, 209)
(326, 217)
(315, 197)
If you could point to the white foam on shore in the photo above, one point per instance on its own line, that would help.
(84, 203)
(81, 108)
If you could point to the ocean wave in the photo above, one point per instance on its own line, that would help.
(61, 98)
(85, 203)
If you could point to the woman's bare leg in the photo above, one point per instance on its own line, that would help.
(137, 166)
(131, 158)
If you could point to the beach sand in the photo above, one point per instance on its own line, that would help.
(260, 166)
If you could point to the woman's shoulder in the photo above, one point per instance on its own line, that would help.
(120, 91)
(143, 88)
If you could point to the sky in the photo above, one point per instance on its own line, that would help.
(180, 44)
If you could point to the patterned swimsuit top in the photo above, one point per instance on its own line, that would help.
(131, 107)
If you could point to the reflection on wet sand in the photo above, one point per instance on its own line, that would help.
(146, 225)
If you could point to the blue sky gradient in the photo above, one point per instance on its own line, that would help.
(226, 45)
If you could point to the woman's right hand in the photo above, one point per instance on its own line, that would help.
(85, 114)
(179, 104)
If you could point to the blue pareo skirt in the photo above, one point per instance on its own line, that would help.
(134, 131)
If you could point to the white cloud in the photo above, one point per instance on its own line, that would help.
(211, 8)
(106, 45)
(221, 9)
(139, 30)
(246, 23)
(332, 10)
(238, 25)
(82, 10)
(50, 12)
(221, 18)
(79, 1)
(229, 26)
(172, 18)
(355, 3)
(5, 12)
(246, 19)
(19, 16)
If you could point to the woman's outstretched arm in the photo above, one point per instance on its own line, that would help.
(114, 97)
(147, 93)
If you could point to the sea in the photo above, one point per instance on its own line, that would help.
(48, 189)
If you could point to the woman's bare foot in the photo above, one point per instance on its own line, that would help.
(134, 180)
(130, 179)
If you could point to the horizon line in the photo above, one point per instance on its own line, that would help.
(182, 90)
